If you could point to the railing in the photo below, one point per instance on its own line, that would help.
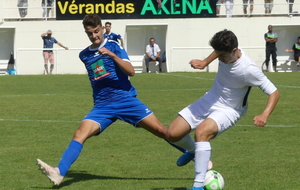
(35, 10)
(31, 61)
(280, 8)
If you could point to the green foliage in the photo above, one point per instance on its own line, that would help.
(39, 114)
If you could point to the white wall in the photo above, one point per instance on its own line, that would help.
(180, 33)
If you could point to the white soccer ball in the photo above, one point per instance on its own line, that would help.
(213, 180)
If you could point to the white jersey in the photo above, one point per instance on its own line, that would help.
(233, 83)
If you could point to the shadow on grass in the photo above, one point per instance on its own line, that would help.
(170, 188)
(77, 176)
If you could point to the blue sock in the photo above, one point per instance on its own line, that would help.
(177, 147)
(69, 156)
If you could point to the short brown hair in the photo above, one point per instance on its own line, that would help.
(92, 20)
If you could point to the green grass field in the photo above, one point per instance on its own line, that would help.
(39, 114)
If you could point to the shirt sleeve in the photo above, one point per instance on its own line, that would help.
(157, 48)
(255, 77)
(54, 40)
(148, 50)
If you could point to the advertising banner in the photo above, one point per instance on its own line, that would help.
(135, 9)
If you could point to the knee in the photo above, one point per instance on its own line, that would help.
(172, 136)
(203, 134)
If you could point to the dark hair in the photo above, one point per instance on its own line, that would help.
(108, 23)
(298, 37)
(151, 39)
(224, 40)
(91, 20)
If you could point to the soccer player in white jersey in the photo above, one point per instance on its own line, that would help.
(223, 105)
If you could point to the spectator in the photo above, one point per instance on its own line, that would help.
(229, 8)
(23, 6)
(153, 54)
(47, 6)
(296, 50)
(268, 7)
(291, 3)
(48, 54)
(112, 36)
(271, 39)
(245, 5)
(218, 6)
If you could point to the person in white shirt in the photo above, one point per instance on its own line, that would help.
(222, 106)
(153, 54)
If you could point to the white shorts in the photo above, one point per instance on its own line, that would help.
(197, 112)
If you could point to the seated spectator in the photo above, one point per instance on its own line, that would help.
(153, 54)
(268, 7)
(291, 3)
(296, 50)
(245, 5)
(23, 6)
(229, 8)
(218, 6)
(47, 6)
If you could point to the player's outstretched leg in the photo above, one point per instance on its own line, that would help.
(185, 158)
(52, 173)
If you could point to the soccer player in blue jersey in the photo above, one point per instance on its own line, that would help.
(108, 68)
(111, 35)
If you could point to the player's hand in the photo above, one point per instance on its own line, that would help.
(260, 121)
(104, 51)
(198, 64)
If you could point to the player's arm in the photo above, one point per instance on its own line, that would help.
(261, 119)
(125, 66)
(58, 43)
(201, 64)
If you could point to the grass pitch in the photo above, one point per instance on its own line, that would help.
(39, 114)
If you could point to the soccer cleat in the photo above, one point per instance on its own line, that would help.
(185, 159)
(52, 173)
(195, 188)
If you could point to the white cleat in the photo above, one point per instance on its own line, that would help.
(52, 173)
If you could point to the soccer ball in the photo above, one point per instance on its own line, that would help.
(213, 180)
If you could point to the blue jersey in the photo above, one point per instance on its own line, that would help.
(108, 81)
(112, 36)
(48, 43)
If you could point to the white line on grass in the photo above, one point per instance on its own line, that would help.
(121, 122)
(186, 76)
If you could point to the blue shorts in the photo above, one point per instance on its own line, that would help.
(130, 110)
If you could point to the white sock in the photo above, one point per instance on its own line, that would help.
(187, 143)
(202, 157)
